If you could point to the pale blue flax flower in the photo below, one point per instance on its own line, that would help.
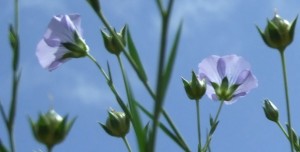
(228, 77)
(62, 41)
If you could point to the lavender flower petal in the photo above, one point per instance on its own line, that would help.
(208, 69)
(50, 57)
(61, 29)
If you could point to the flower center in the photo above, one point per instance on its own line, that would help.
(224, 91)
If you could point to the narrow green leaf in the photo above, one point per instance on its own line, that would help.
(135, 116)
(122, 104)
(110, 80)
(2, 111)
(211, 120)
(2, 147)
(147, 128)
(14, 43)
(135, 59)
(171, 59)
(294, 135)
(213, 128)
(169, 133)
(95, 5)
(137, 123)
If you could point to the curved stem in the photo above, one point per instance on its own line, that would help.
(208, 139)
(110, 84)
(98, 66)
(15, 81)
(127, 144)
(219, 111)
(198, 125)
(282, 129)
(287, 99)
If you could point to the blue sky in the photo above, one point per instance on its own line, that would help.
(214, 27)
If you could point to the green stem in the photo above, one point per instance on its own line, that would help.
(160, 93)
(98, 66)
(16, 9)
(208, 139)
(166, 116)
(287, 99)
(49, 148)
(15, 82)
(219, 111)
(198, 125)
(110, 84)
(282, 129)
(172, 125)
(127, 144)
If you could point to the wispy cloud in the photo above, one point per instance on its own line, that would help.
(66, 84)
(203, 12)
(88, 92)
(200, 9)
(198, 13)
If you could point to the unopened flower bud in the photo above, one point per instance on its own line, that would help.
(271, 110)
(111, 43)
(279, 32)
(117, 124)
(194, 89)
(51, 128)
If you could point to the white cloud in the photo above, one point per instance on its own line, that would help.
(66, 83)
(202, 12)
(88, 92)
(197, 13)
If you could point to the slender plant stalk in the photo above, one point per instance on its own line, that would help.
(198, 126)
(15, 80)
(219, 111)
(98, 66)
(208, 139)
(16, 9)
(136, 122)
(49, 148)
(110, 84)
(287, 99)
(166, 116)
(282, 129)
(160, 92)
(127, 144)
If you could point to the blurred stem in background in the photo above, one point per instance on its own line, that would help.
(10, 118)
